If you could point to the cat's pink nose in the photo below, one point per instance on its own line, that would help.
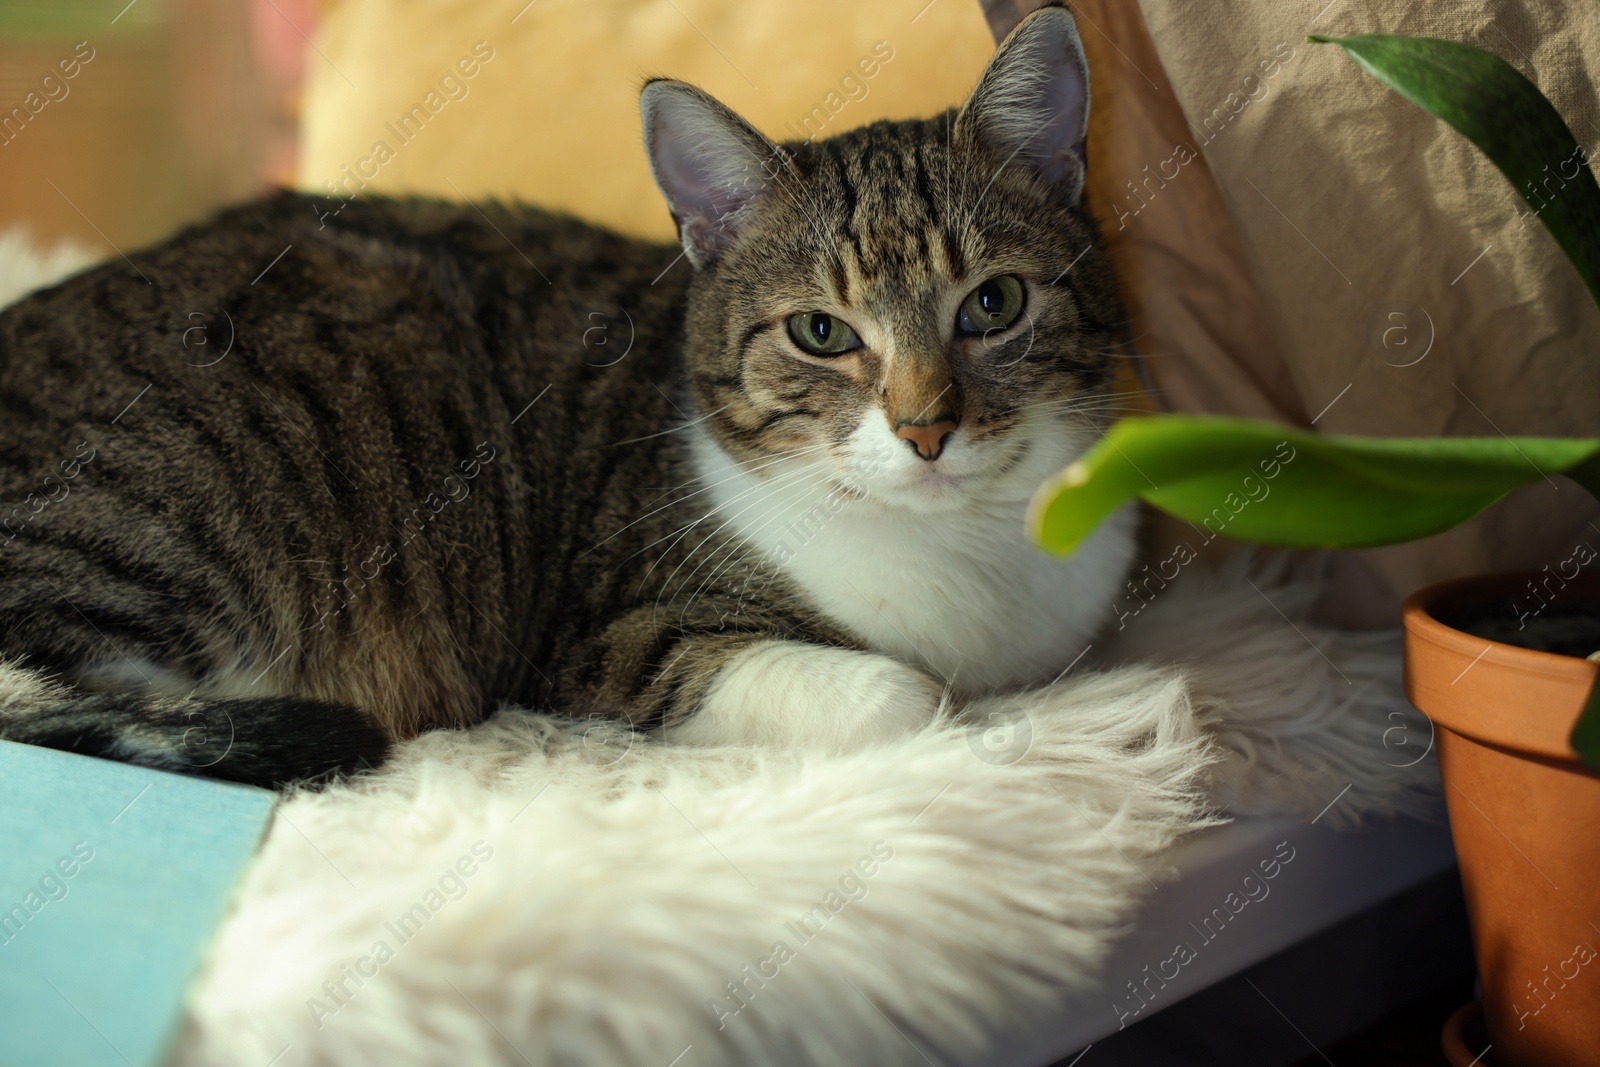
(927, 438)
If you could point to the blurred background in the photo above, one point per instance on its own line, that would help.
(173, 107)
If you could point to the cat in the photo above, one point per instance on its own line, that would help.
(338, 477)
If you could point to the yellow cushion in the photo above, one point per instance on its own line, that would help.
(550, 115)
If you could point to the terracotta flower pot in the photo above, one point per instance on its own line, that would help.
(1524, 812)
(1463, 1038)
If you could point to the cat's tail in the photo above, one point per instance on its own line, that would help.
(268, 741)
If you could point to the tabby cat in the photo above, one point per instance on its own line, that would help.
(402, 483)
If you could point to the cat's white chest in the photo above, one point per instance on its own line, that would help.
(962, 593)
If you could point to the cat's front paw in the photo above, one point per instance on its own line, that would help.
(799, 695)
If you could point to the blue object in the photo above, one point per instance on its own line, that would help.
(113, 879)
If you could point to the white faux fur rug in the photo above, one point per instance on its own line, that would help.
(529, 892)
(743, 906)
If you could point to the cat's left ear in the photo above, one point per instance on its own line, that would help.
(1031, 105)
(711, 165)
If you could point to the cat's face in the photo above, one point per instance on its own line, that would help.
(914, 311)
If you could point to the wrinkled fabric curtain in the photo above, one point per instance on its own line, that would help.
(1299, 243)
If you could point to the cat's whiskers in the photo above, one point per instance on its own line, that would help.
(1091, 415)
(745, 550)
(1128, 322)
(787, 480)
(1145, 356)
(740, 549)
(777, 458)
(672, 429)
(750, 467)
(779, 488)
(678, 534)
(766, 461)
(734, 543)
(1080, 406)
(784, 481)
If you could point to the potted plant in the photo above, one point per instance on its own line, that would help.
(1502, 664)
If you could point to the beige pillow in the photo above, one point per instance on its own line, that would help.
(551, 113)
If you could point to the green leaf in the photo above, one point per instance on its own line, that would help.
(1586, 731)
(1506, 116)
(1261, 482)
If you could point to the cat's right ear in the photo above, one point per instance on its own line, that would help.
(1032, 101)
(711, 165)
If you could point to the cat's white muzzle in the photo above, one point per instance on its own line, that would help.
(887, 469)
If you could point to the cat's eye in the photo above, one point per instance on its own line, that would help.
(994, 305)
(822, 334)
